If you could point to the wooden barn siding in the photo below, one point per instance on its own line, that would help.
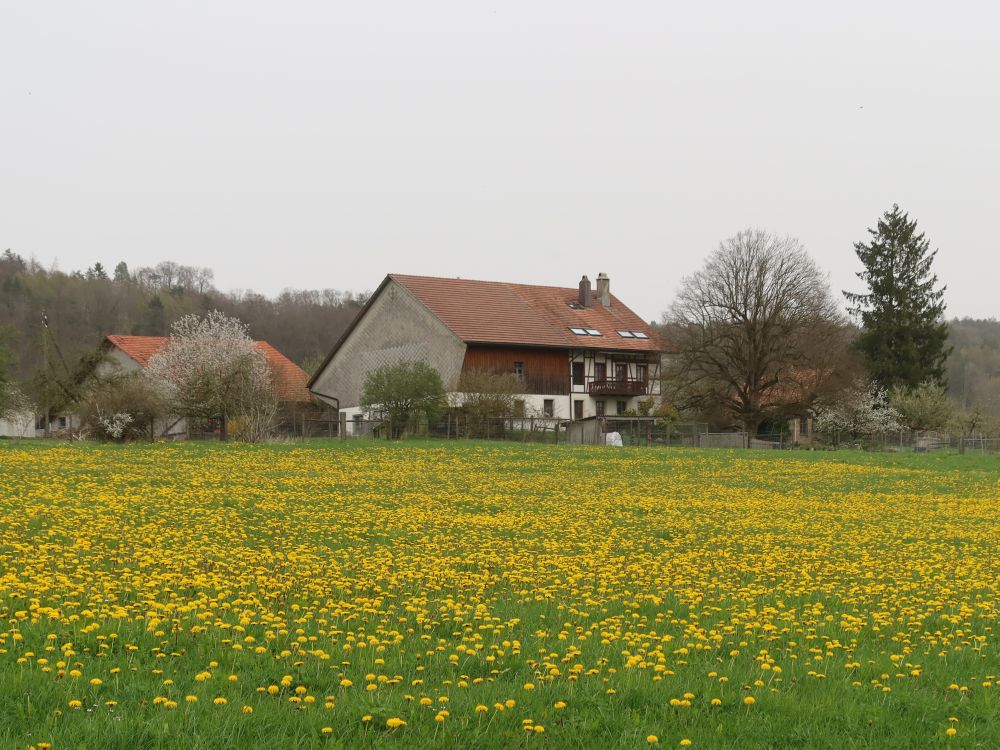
(545, 370)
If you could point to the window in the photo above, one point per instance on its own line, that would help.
(519, 369)
(639, 335)
(626, 334)
(642, 373)
(578, 373)
(549, 407)
(621, 371)
(632, 335)
(578, 409)
(622, 407)
(804, 426)
(519, 407)
(600, 372)
(599, 408)
(593, 332)
(579, 331)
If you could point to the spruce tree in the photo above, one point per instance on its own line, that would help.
(904, 336)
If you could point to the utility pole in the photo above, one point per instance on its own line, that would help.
(48, 373)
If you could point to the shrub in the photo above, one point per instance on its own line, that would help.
(404, 395)
(122, 408)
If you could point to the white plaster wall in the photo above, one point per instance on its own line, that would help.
(116, 362)
(18, 426)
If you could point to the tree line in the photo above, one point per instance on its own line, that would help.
(52, 321)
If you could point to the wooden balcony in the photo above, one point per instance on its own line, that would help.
(627, 387)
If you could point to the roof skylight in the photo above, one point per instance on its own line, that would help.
(632, 335)
(586, 332)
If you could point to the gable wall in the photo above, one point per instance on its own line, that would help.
(394, 328)
(116, 362)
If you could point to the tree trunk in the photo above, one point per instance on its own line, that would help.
(223, 436)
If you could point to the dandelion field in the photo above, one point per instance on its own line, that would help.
(336, 595)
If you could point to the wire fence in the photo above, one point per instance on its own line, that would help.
(614, 431)
(643, 432)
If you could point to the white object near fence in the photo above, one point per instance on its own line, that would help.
(614, 438)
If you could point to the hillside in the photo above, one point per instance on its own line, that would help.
(974, 365)
(82, 307)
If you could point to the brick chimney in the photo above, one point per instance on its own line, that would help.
(604, 289)
(584, 297)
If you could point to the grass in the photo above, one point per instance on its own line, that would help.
(602, 595)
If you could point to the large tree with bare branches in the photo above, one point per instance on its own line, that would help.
(756, 332)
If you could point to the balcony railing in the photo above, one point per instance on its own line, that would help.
(627, 387)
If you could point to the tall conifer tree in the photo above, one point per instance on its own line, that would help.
(904, 336)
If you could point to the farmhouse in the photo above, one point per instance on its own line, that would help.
(579, 351)
(125, 354)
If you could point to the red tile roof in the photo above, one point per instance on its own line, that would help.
(139, 348)
(492, 312)
(290, 379)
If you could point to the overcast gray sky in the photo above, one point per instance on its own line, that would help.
(324, 144)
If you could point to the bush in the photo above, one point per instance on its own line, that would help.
(122, 408)
(925, 408)
(404, 396)
(485, 398)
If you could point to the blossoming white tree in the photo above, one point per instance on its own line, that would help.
(862, 410)
(211, 370)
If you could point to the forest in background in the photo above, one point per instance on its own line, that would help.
(83, 307)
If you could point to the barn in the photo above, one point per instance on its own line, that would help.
(580, 351)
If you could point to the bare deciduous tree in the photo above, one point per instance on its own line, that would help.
(756, 331)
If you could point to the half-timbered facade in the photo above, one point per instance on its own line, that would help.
(580, 352)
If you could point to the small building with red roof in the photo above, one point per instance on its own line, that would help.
(130, 353)
(580, 351)
(289, 379)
